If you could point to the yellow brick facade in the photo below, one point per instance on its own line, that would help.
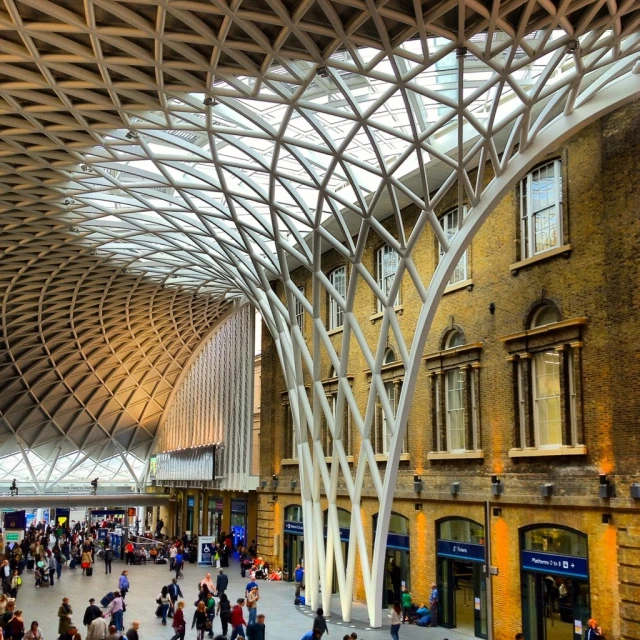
(593, 278)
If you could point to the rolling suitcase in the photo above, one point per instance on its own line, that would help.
(89, 571)
(106, 601)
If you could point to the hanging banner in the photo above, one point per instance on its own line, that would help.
(205, 550)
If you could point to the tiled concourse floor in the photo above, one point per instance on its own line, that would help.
(283, 620)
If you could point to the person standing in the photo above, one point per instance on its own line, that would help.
(86, 560)
(210, 606)
(299, 576)
(15, 627)
(252, 604)
(173, 552)
(320, 623)
(179, 625)
(257, 630)
(164, 601)
(108, 559)
(178, 563)
(53, 565)
(132, 634)
(98, 629)
(396, 620)
(406, 604)
(237, 620)
(224, 611)
(129, 551)
(594, 632)
(123, 583)
(113, 634)
(159, 527)
(64, 616)
(433, 604)
(70, 634)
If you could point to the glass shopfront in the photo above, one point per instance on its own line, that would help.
(396, 562)
(461, 580)
(239, 522)
(293, 541)
(191, 503)
(214, 519)
(555, 583)
(344, 522)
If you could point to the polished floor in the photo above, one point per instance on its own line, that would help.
(283, 620)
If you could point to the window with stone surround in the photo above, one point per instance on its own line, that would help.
(392, 379)
(547, 397)
(338, 280)
(386, 268)
(299, 308)
(541, 210)
(330, 386)
(454, 374)
(450, 223)
(290, 451)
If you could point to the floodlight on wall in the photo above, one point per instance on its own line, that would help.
(418, 506)
(547, 490)
(497, 512)
(455, 488)
(607, 488)
(263, 484)
(418, 485)
(132, 135)
(497, 488)
(294, 484)
(635, 491)
(607, 518)
(275, 482)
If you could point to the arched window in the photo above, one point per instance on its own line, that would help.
(543, 315)
(338, 279)
(454, 338)
(449, 223)
(386, 268)
(389, 356)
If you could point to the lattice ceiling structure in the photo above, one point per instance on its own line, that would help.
(212, 146)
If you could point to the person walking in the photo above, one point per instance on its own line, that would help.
(173, 552)
(257, 630)
(396, 620)
(210, 606)
(433, 604)
(252, 604)
(237, 620)
(164, 601)
(64, 616)
(406, 604)
(97, 629)
(178, 624)
(132, 634)
(70, 634)
(34, 632)
(200, 620)
(594, 632)
(114, 634)
(222, 582)
(91, 613)
(299, 576)
(86, 560)
(319, 622)
(224, 612)
(15, 627)
(123, 583)
(53, 565)
(108, 559)
(16, 583)
(174, 593)
(116, 611)
(178, 563)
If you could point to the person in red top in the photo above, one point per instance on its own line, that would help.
(237, 620)
(129, 552)
(178, 622)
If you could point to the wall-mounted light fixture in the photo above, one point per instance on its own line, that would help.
(635, 491)
(455, 488)
(492, 308)
(418, 485)
(497, 488)
(275, 481)
(294, 484)
(263, 484)
(607, 518)
(607, 488)
(547, 490)
(497, 512)
(418, 506)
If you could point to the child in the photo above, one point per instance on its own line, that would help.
(406, 605)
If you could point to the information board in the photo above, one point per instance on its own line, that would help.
(555, 563)
(206, 545)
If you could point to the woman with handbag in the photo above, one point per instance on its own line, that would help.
(179, 625)
(116, 611)
(164, 601)
(200, 620)
(224, 611)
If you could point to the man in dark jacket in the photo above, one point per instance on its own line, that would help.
(319, 623)
(222, 582)
(257, 630)
(70, 633)
(174, 593)
(91, 613)
(132, 634)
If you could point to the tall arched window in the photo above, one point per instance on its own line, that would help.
(386, 268)
(450, 225)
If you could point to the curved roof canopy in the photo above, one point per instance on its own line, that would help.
(205, 145)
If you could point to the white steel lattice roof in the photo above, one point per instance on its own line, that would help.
(206, 145)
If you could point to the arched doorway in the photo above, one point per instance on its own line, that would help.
(397, 557)
(293, 547)
(344, 522)
(461, 580)
(554, 573)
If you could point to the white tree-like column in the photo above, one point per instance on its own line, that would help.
(314, 125)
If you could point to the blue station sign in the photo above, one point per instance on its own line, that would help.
(461, 550)
(554, 563)
(398, 541)
(293, 528)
